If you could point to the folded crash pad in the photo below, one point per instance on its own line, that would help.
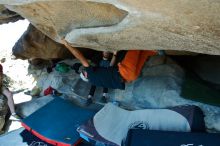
(56, 122)
(31, 139)
(139, 137)
(22, 137)
(111, 124)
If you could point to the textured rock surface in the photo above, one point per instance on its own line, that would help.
(34, 44)
(3, 110)
(208, 68)
(205, 67)
(8, 16)
(127, 24)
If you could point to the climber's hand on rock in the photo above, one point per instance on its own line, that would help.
(63, 41)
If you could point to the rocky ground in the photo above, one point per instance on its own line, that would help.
(15, 69)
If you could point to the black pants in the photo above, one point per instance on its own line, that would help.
(93, 88)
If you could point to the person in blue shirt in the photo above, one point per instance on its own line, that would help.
(113, 77)
(105, 62)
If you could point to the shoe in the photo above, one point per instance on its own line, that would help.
(104, 99)
(27, 93)
(88, 101)
(161, 52)
(56, 93)
(15, 117)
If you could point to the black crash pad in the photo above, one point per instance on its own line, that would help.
(139, 137)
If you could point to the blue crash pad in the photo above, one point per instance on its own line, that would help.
(140, 137)
(56, 122)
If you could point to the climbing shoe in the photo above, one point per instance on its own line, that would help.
(14, 117)
(88, 101)
(104, 99)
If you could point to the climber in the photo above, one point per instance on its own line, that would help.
(104, 62)
(5, 91)
(112, 77)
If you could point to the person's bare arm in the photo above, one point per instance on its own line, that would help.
(113, 60)
(1, 76)
(1, 80)
(76, 53)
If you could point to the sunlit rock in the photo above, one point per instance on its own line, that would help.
(127, 24)
(34, 44)
(3, 110)
(7, 16)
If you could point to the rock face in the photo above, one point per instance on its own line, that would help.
(8, 16)
(207, 68)
(34, 44)
(127, 24)
(3, 111)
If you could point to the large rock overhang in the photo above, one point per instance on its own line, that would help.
(126, 24)
(7, 16)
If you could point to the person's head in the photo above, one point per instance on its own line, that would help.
(77, 67)
(106, 54)
(84, 76)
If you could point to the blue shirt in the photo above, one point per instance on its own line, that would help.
(104, 63)
(105, 77)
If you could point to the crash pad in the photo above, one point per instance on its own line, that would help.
(31, 139)
(57, 121)
(140, 137)
(110, 125)
(22, 137)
